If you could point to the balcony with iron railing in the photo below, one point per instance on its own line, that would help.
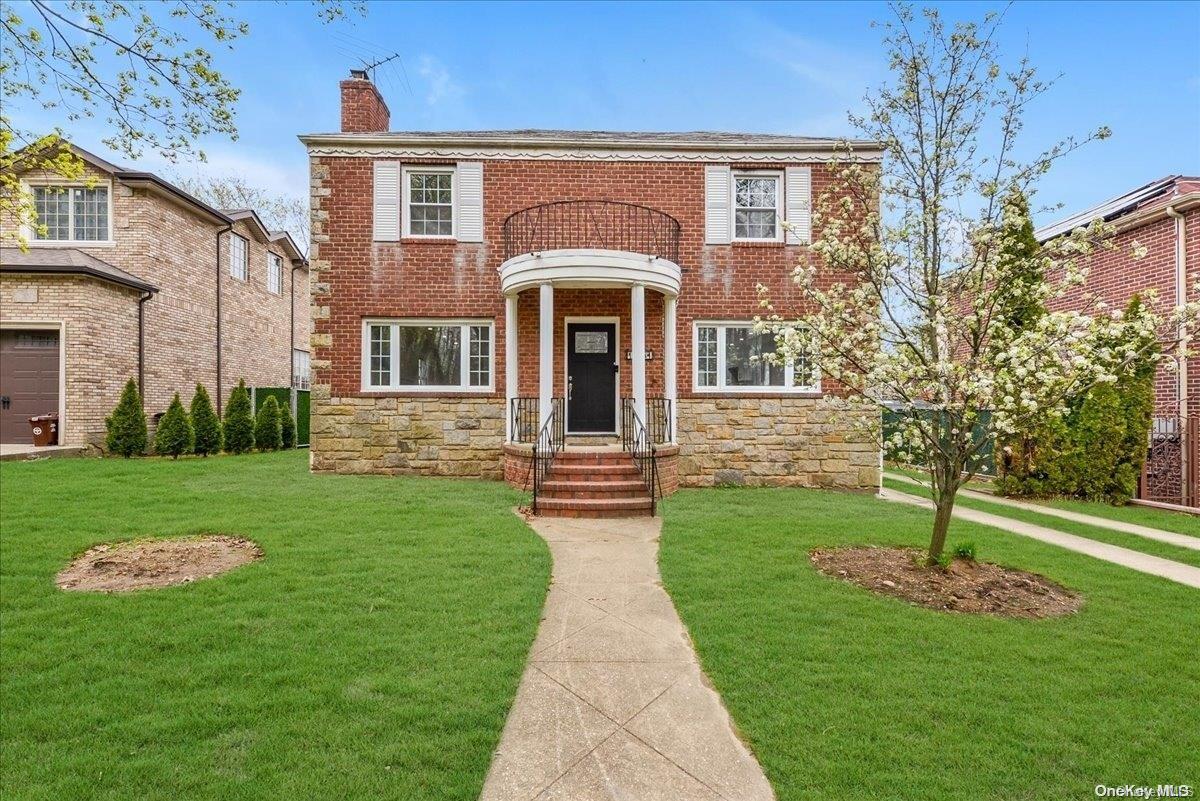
(592, 224)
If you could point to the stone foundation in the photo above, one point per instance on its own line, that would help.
(773, 442)
(414, 436)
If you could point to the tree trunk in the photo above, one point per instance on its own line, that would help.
(941, 525)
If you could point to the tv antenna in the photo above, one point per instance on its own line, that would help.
(370, 67)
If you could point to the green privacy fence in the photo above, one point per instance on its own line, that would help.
(985, 461)
(283, 396)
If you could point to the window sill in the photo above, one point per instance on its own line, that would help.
(71, 243)
(754, 393)
(429, 240)
(433, 394)
(758, 243)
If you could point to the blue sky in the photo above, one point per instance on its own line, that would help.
(783, 68)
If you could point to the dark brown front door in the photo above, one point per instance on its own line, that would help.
(28, 381)
(591, 378)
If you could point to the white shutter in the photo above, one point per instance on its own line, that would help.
(797, 194)
(716, 205)
(468, 201)
(387, 201)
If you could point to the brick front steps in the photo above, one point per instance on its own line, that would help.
(594, 482)
(591, 480)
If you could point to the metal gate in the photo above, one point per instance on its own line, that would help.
(1171, 473)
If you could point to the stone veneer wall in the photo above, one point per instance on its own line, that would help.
(772, 442)
(415, 436)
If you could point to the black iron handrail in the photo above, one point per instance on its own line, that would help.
(548, 444)
(658, 419)
(525, 419)
(635, 440)
(605, 224)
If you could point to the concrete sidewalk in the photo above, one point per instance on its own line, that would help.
(1170, 537)
(613, 704)
(1154, 565)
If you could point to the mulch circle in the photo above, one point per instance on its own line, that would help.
(979, 588)
(152, 564)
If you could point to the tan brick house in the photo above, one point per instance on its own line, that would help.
(136, 278)
(483, 297)
(1163, 217)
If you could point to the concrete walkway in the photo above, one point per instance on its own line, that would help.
(1154, 565)
(613, 704)
(1170, 537)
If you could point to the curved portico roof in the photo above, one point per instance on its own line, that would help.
(589, 268)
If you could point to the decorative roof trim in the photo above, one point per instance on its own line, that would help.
(742, 154)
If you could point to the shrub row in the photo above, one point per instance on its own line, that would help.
(200, 432)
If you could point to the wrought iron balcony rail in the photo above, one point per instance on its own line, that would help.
(604, 224)
(526, 420)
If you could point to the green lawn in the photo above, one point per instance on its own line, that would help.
(844, 694)
(373, 652)
(1098, 533)
(1178, 522)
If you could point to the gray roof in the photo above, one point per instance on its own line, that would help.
(68, 261)
(665, 139)
(1113, 208)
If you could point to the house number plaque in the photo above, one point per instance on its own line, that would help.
(591, 342)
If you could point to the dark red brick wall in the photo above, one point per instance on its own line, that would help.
(363, 109)
(449, 279)
(1116, 276)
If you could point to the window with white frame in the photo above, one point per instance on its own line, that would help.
(72, 213)
(274, 273)
(732, 357)
(239, 266)
(429, 202)
(428, 355)
(756, 206)
(301, 369)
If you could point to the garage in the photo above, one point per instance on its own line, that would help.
(29, 380)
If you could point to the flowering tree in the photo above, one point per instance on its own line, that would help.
(936, 267)
(134, 63)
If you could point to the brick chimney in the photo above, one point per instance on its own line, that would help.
(363, 109)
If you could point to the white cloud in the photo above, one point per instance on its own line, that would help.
(441, 86)
(278, 174)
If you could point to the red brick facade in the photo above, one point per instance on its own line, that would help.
(1116, 274)
(754, 439)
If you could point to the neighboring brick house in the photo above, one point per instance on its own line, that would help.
(1164, 218)
(136, 278)
(472, 289)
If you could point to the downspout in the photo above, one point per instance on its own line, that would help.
(220, 392)
(1180, 299)
(142, 345)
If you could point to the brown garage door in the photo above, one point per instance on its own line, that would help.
(28, 380)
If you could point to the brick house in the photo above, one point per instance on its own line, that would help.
(136, 278)
(1163, 217)
(483, 296)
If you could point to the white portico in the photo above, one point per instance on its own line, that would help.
(586, 346)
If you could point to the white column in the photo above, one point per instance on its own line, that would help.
(546, 353)
(669, 388)
(510, 361)
(637, 323)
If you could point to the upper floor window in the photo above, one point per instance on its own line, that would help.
(72, 213)
(756, 206)
(239, 266)
(429, 202)
(274, 273)
(732, 357)
(427, 355)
